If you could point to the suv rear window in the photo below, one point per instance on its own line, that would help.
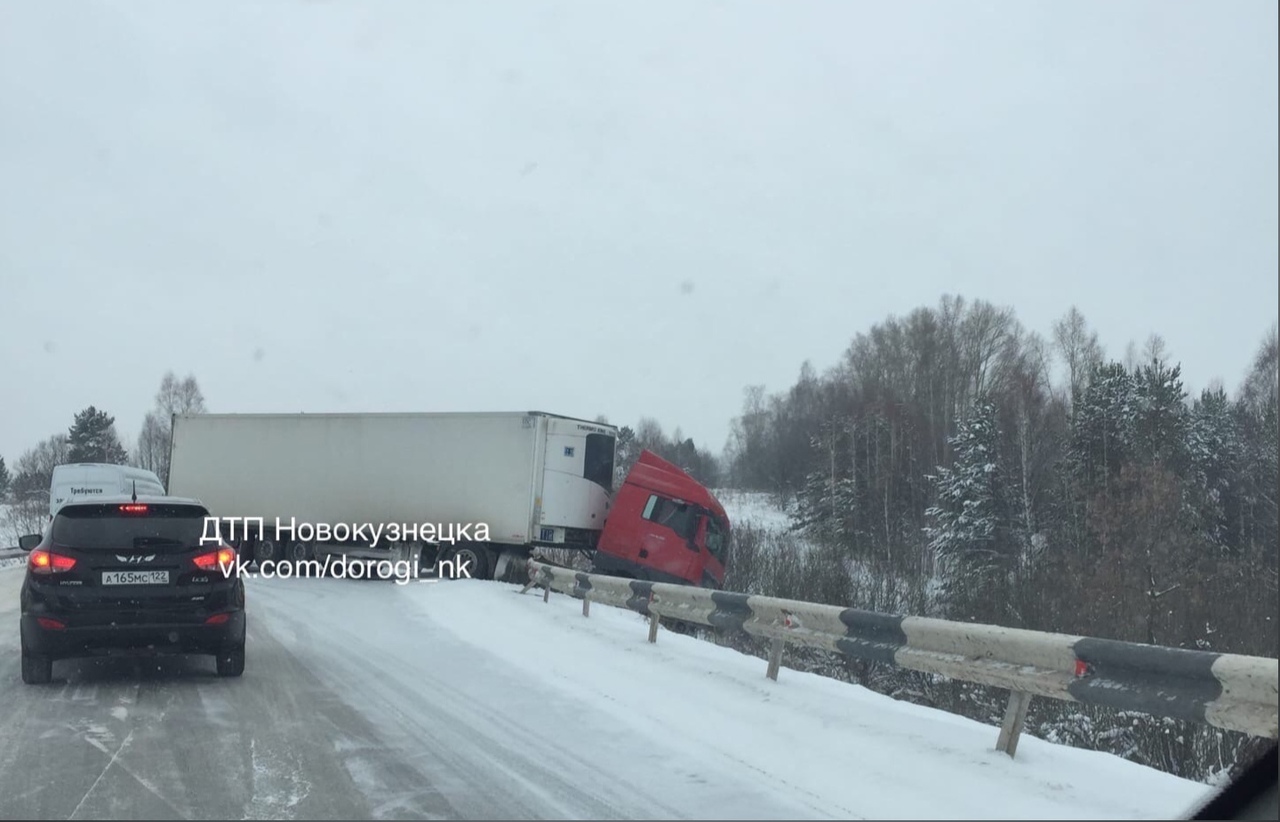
(108, 527)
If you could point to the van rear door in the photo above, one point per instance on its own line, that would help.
(80, 481)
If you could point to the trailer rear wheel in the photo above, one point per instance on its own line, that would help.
(475, 559)
(265, 550)
(300, 552)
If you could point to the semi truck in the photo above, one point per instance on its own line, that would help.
(481, 491)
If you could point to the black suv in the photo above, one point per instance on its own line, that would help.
(130, 574)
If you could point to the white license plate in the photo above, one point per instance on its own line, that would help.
(135, 577)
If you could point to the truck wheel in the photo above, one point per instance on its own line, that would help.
(516, 570)
(266, 549)
(476, 559)
(299, 552)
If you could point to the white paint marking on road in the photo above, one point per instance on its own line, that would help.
(114, 756)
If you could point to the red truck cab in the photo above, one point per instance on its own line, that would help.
(664, 526)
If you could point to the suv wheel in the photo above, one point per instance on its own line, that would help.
(231, 662)
(36, 670)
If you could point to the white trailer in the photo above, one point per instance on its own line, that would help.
(530, 478)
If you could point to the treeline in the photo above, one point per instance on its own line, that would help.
(941, 470)
(92, 437)
(675, 447)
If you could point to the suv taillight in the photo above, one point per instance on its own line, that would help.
(43, 562)
(222, 557)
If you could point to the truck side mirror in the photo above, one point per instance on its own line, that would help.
(29, 541)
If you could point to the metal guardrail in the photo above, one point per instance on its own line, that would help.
(1232, 692)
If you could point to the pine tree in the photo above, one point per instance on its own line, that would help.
(92, 438)
(1105, 423)
(1258, 410)
(1161, 421)
(965, 534)
(627, 452)
(1215, 450)
(826, 505)
(5, 480)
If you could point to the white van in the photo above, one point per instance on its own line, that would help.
(97, 479)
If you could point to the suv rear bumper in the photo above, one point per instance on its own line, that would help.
(160, 638)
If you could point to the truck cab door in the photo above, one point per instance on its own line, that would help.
(653, 548)
(676, 534)
(711, 542)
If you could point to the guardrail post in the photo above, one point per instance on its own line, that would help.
(775, 658)
(533, 579)
(586, 604)
(546, 592)
(1015, 715)
(653, 627)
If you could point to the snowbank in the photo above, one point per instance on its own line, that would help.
(753, 508)
(843, 750)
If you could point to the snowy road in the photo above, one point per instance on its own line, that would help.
(463, 700)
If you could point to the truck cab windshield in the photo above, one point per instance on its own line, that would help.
(680, 517)
(717, 538)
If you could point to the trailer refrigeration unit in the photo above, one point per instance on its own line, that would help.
(531, 479)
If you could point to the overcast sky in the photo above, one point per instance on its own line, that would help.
(608, 208)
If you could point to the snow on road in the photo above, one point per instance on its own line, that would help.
(835, 749)
(463, 699)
